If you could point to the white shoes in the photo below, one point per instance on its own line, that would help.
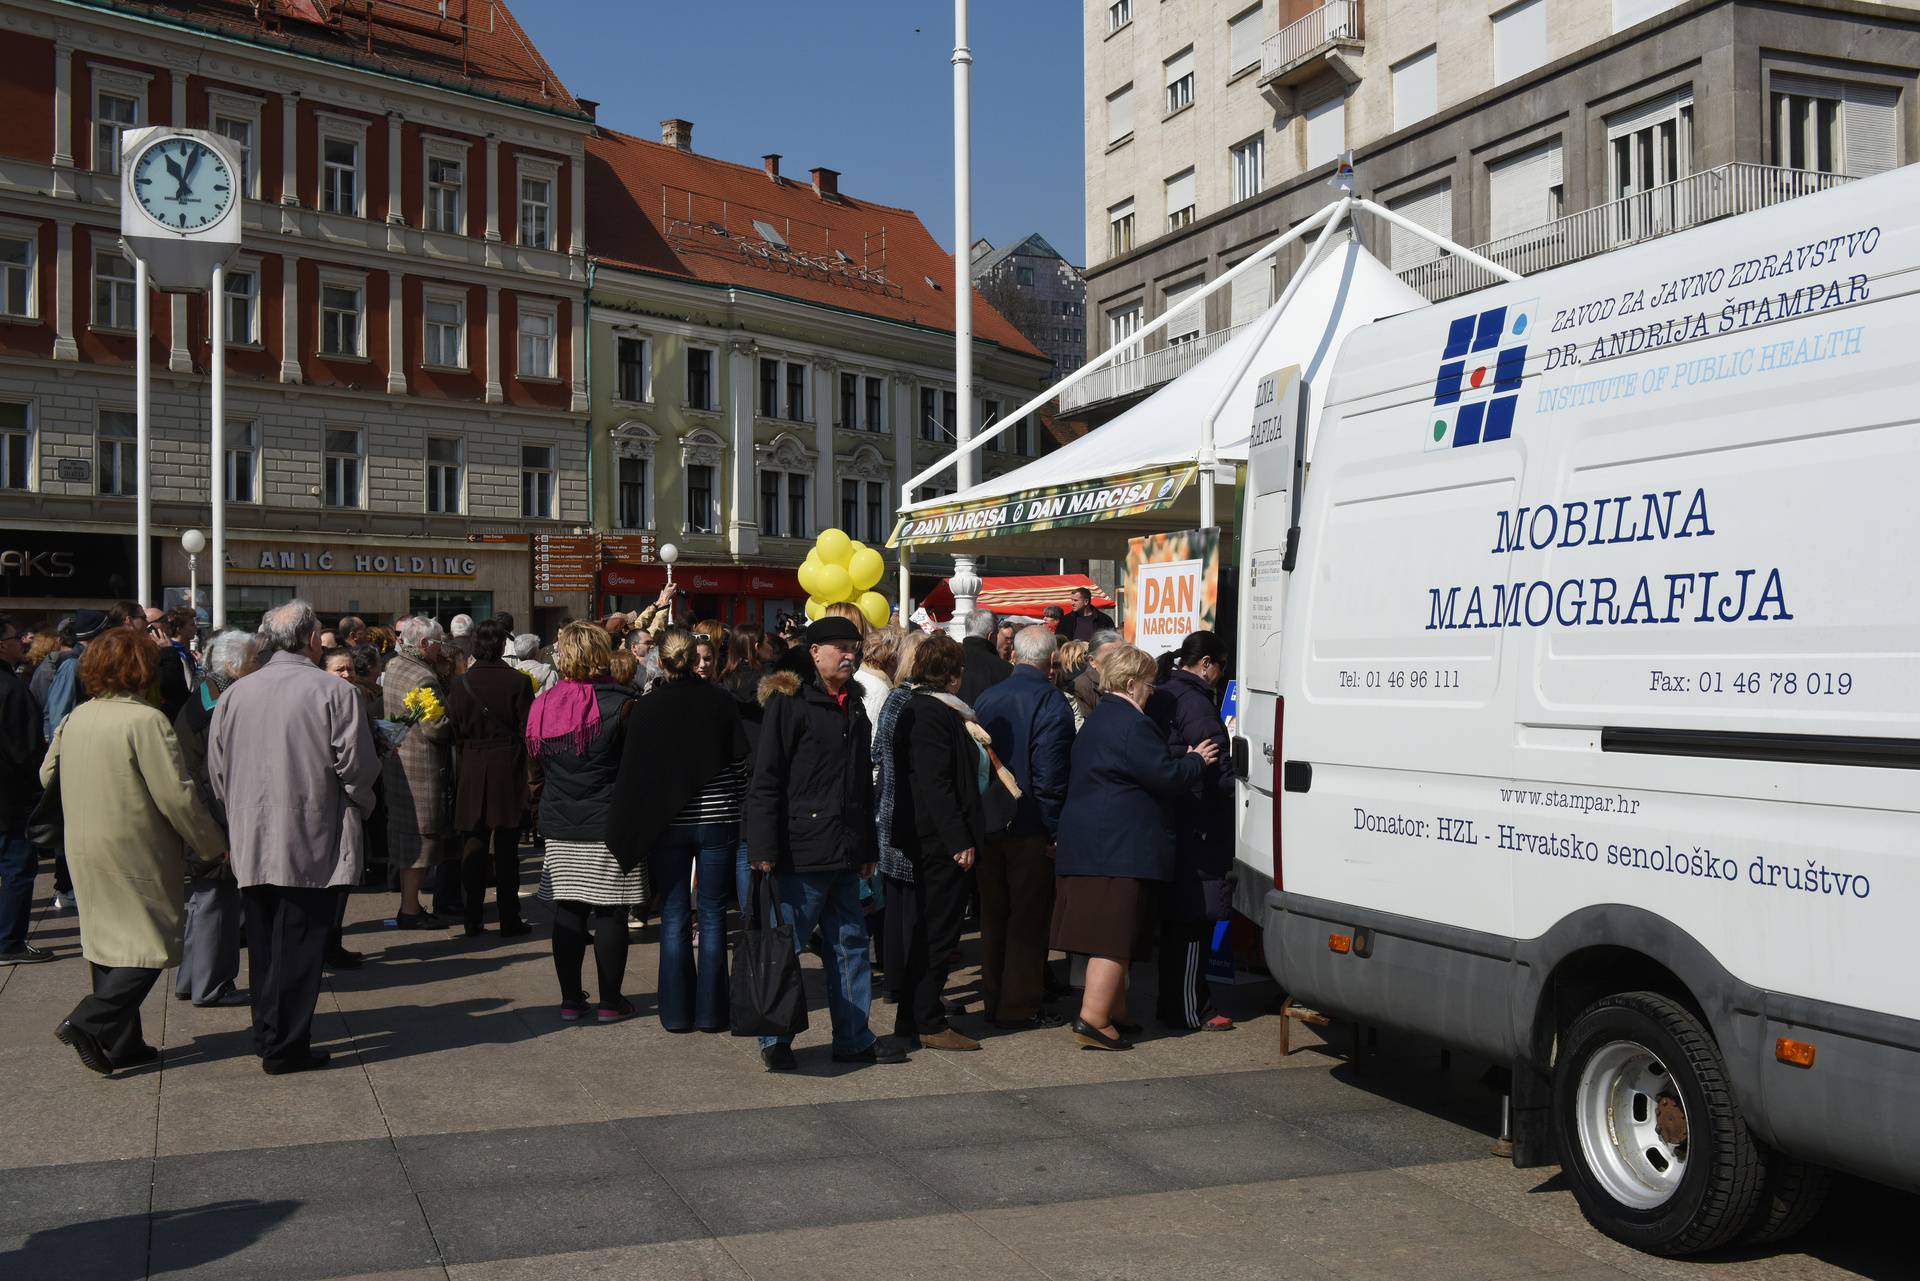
(65, 903)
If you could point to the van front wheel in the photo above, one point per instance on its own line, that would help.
(1653, 1142)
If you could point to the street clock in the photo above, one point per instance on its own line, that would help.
(180, 210)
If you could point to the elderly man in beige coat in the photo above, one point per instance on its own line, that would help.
(291, 757)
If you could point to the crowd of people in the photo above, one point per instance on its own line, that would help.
(871, 788)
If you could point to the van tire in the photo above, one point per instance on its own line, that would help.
(1624, 1048)
(1794, 1192)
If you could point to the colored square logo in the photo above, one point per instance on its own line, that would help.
(1476, 389)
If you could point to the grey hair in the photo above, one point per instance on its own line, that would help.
(288, 628)
(982, 623)
(229, 653)
(1034, 645)
(460, 624)
(1101, 639)
(525, 645)
(418, 630)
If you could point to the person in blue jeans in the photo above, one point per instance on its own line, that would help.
(683, 773)
(810, 822)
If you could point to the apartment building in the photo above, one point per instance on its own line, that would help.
(1033, 285)
(1539, 131)
(406, 396)
(771, 355)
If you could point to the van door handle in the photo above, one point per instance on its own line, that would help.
(1268, 751)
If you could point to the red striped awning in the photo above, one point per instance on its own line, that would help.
(1027, 595)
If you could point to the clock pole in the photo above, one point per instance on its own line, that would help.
(142, 416)
(217, 456)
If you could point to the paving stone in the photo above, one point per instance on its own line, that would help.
(898, 1125)
(1242, 1151)
(1029, 1172)
(758, 1136)
(740, 1200)
(551, 1215)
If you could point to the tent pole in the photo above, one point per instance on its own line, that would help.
(906, 585)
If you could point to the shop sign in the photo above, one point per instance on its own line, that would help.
(1050, 507)
(61, 565)
(328, 560)
(745, 580)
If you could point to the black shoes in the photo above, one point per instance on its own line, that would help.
(1092, 1038)
(883, 1050)
(1044, 1019)
(139, 1058)
(514, 929)
(779, 1058)
(86, 1046)
(314, 1059)
(25, 954)
(418, 921)
(339, 958)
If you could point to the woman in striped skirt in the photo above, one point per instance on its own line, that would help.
(575, 733)
(677, 806)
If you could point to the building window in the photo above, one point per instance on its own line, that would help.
(341, 308)
(243, 462)
(118, 105)
(445, 471)
(1180, 199)
(1023, 276)
(536, 482)
(1416, 93)
(796, 393)
(1326, 130)
(1432, 208)
(989, 415)
(536, 210)
(1179, 69)
(794, 407)
(769, 388)
(770, 503)
(702, 518)
(1524, 192)
(339, 174)
(700, 378)
(633, 369)
(876, 514)
(930, 413)
(239, 130)
(1249, 167)
(242, 301)
(1120, 115)
(876, 401)
(1123, 323)
(1650, 146)
(114, 450)
(1023, 437)
(1119, 14)
(1189, 321)
(849, 400)
(1519, 39)
(444, 321)
(799, 521)
(16, 446)
(17, 294)
(1120, 228)
(345, 465)
(112, 290)
(630, 502)
(1830, 126)
(1243, 41)
(537, 325)
(862, 507)
(850, 505)
(446, 191)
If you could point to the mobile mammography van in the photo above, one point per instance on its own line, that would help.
(1581, 698)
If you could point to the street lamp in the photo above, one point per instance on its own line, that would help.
(193, 542)
(669, 554)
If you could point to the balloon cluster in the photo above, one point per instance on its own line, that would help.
(841, 568)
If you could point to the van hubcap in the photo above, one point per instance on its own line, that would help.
(1633, 1125)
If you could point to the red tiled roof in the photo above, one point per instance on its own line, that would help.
(478, 45)
(657, 209)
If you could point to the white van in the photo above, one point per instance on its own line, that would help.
(1582, 704)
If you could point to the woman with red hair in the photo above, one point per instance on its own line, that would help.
(132, 814)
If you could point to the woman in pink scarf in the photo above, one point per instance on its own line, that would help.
(575, 734)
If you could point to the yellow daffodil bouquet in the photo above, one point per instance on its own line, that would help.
(420, 706)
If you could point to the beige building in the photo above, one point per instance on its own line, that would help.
(1538, 131)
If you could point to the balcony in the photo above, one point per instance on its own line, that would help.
(1145, 372)
(1330, 39)
(1720, 192)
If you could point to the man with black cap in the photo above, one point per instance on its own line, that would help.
(809, 821)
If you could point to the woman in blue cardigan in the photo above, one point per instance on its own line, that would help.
(1116, 835)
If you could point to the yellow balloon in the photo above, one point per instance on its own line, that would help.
(876, 608)
(867, 567)
(807, 572)
(815, 610)
(832, 583)
(833, 547)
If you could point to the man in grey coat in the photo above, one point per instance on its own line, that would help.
(291, 757)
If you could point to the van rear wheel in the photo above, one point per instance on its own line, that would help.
(1795, 1191)
(1652, 1140)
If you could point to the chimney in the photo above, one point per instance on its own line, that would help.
(771, 163)
(589, 106)
(826, 183)
(677, 134)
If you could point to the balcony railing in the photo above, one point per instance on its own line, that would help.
(1144, 372)
(1719, 192)
(1291, 50)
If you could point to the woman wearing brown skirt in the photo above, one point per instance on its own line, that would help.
(1116, 833)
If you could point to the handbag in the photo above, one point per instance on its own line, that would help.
(764, 984)
(47, 825)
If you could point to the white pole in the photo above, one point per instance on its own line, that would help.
(966, 466)
(142, 410)
(217, 457)
(193, 585)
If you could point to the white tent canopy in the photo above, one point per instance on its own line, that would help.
(1347, 288)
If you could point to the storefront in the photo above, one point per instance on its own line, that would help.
(48, 572)
(381, 581)
(734, 594)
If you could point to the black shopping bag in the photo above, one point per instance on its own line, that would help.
(767, 996)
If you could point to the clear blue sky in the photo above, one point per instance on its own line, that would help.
(862, 86)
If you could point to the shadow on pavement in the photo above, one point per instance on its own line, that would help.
(122, 1248)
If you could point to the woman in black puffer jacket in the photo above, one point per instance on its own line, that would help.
(1186, 708)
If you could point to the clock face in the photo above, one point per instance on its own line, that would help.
(183, 184)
